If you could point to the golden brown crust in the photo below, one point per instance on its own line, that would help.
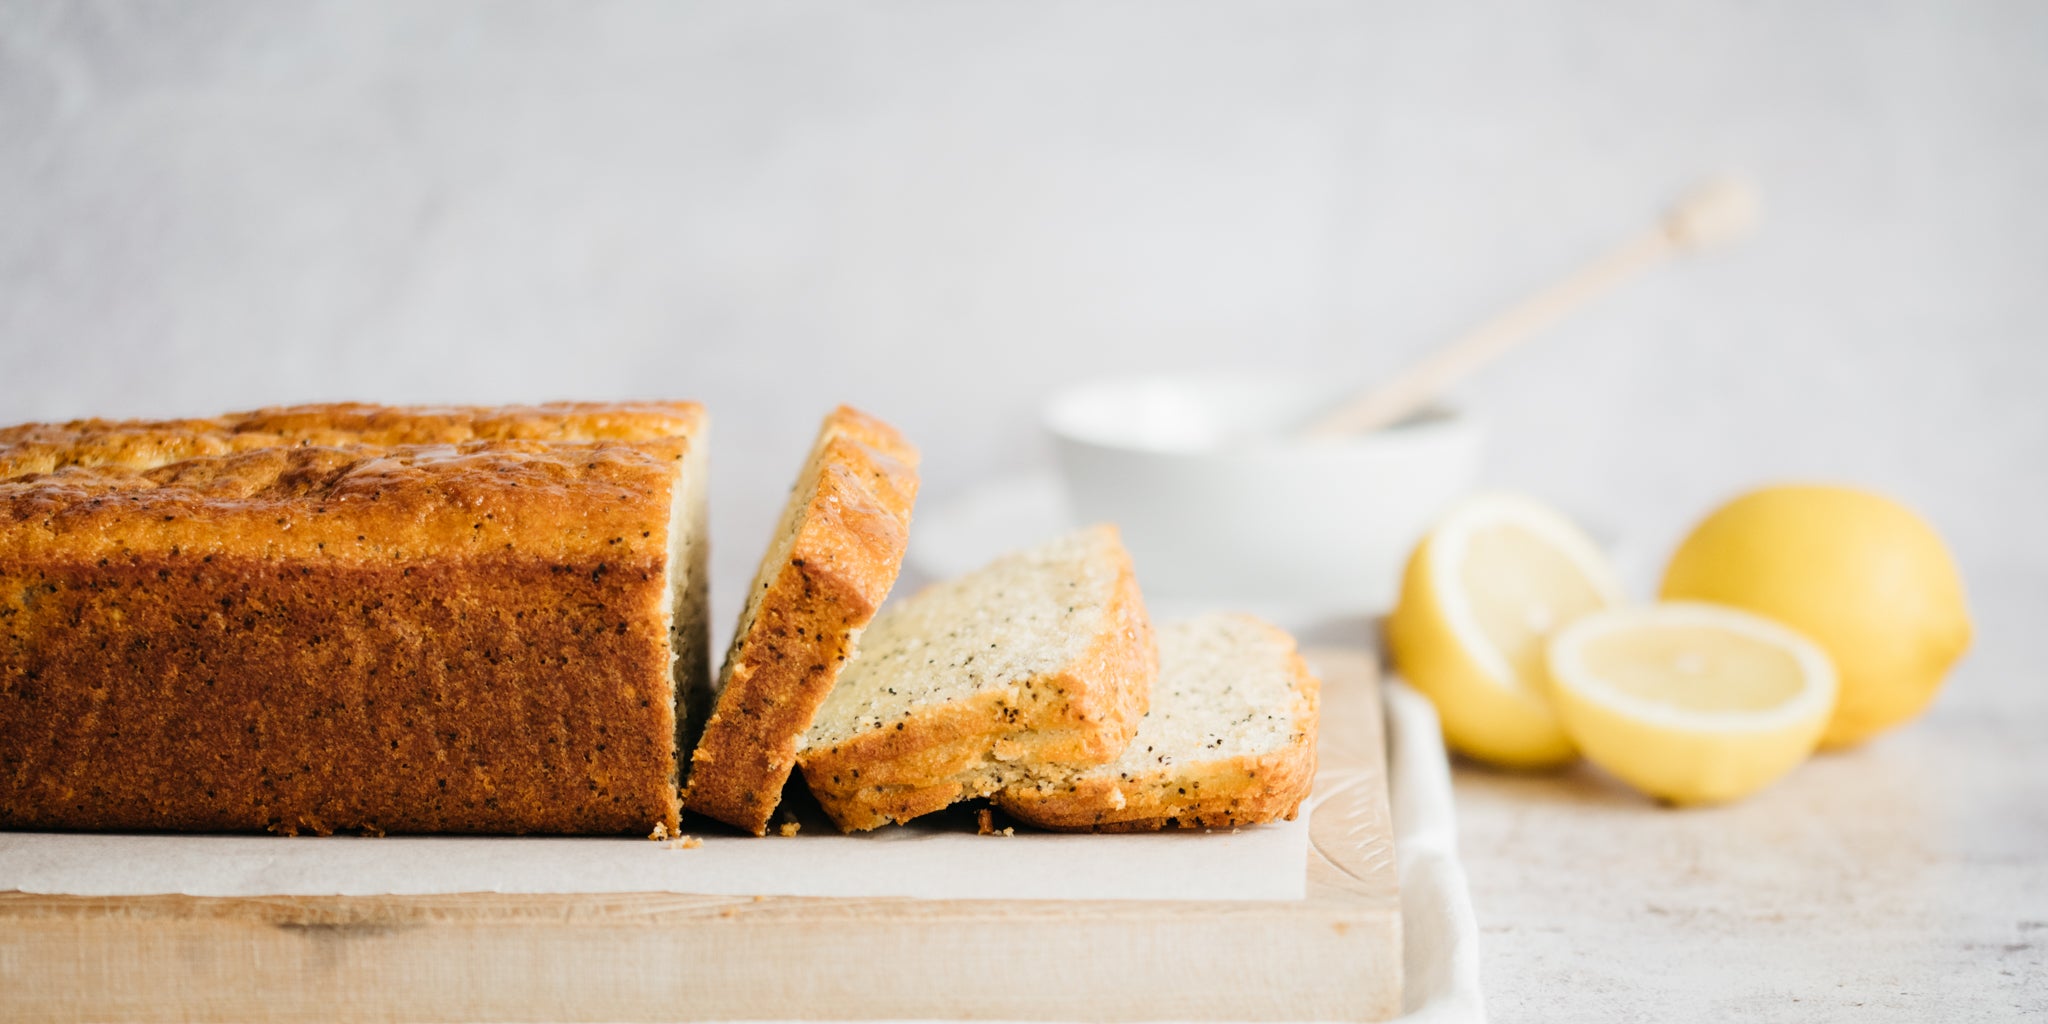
(1245, 790)
(146, 444)
(468, 633)
(844, 556)
(1083, 714)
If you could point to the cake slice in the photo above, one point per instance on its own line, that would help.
(1040, 660)
(1230, 740)
(353, 617)
(830, 562)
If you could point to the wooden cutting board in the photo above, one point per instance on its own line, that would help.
(1335, 955)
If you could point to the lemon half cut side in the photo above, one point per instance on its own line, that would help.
(1480, 600)
(1691, 703)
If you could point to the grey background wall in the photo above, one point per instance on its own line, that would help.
(942, 210)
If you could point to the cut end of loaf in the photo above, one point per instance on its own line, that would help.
(689, 606)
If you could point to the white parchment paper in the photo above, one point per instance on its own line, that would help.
(940, 860)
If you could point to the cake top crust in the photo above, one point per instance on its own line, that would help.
(362, 483)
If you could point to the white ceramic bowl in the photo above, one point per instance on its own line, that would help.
(1219, 507)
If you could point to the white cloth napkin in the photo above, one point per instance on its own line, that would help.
(1441, 938)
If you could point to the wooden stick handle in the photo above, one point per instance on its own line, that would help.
(1715, 213)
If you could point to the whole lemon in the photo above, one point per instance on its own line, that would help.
(1858, 573)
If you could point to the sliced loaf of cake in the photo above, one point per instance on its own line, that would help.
(1230, 740)
(353, 617)
(830, 562)
(1039, 663)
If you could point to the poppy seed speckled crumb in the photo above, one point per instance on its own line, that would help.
(1230, 740)
(1041, 660)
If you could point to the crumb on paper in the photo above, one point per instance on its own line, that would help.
(985, 824)
(789, 828)
(673, 840)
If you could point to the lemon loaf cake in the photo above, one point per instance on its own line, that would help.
(1037, 662)
(832, 559)
(352, 617)
(1230, 739)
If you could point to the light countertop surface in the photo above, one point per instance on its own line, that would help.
(1904, 880)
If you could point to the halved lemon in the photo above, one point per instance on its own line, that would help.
(1480, 599)
(1691, 703)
